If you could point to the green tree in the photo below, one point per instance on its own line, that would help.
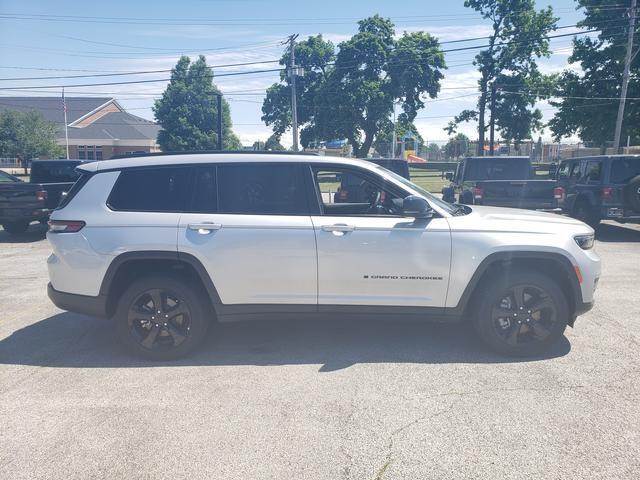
(273, 144)
(26, 136)
(587, 102)
(188, 110)
(518, 37)
(433, 152)
(384, 138)
(350, 95)
(458, 146)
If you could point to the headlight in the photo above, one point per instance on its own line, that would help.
(585, 242)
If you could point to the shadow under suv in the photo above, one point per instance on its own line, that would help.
(163, 245)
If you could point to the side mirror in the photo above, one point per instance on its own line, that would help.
(418, 207)
(448, 176)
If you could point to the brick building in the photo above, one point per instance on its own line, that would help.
(99, 128)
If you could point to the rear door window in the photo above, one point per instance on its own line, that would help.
(152, 189)
(205, 190)
(262, 189)
(593, 172)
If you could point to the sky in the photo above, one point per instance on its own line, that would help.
(117, 36)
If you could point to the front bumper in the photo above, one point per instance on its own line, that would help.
(93, 306)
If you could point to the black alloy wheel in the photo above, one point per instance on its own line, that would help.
(163, 317)
(525, 314)
(520, 312)
(159, 319)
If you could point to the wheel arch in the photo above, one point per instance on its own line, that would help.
(556, 265)
(130, 266)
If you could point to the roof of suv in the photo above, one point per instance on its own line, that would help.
(194, 158)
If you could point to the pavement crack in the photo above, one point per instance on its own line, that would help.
(389, 456)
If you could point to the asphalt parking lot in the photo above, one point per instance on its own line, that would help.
(318, 400)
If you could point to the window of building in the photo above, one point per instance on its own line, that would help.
(272, 189)
(98, 152)
(81, 153)
(90, 152)
(159, 189)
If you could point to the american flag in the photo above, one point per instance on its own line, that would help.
(64, 104)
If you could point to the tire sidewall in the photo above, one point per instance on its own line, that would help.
(186, 291)
(496, 289)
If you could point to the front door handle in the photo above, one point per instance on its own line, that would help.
(338, 227)
(204, 228)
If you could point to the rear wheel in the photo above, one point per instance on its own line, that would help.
(586, 214)
(521, 314)
(16, 227)
(161, 318)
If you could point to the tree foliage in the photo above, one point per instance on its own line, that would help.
(188, 110)
(384, 138)
(26, 135)
(590, 106)
(350, 94)
(518, 37)
(457, 146)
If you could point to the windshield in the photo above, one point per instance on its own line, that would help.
(447, 207)
(624, 169)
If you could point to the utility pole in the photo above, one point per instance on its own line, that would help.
(625, 76)
(394, 137)
(292, 75)
(492, 122)
(219, 99)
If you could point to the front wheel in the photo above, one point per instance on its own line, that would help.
(161, 318)
(521, 314)
(16, 227)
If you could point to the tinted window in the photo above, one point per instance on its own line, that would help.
(563, 171)
(205, 191)
(575, 170)
(624, 169)
(498, 169)
(261, 189)
(54, 172)
(592, 173)
(151, 190)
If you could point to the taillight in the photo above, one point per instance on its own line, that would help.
(477, 193)
(607, 193)
(65, 226)
(41, 195)
(558, 193)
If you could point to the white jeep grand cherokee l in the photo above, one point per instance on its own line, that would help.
(165, 244)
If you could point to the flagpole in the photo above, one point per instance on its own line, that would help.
(66, 130)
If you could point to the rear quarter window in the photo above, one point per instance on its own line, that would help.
(624, 169)
(157, 189)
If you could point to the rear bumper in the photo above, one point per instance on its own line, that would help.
(20, 215)
(93, 306)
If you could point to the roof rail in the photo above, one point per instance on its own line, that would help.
(217, 152)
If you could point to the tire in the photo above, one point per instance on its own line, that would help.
(585, 213)
(181, 325)
(466, 197)
(16, 228)
(510, 330)
(632, 193)
(448, 195)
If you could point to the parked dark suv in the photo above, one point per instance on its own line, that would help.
(602, 187)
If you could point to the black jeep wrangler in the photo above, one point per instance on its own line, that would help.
(602, 187)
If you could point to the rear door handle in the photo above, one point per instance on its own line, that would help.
(204, 228)
(339, 227)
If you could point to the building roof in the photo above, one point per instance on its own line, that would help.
(117, 126)
(51, 107)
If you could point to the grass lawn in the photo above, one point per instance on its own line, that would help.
(431, 181)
